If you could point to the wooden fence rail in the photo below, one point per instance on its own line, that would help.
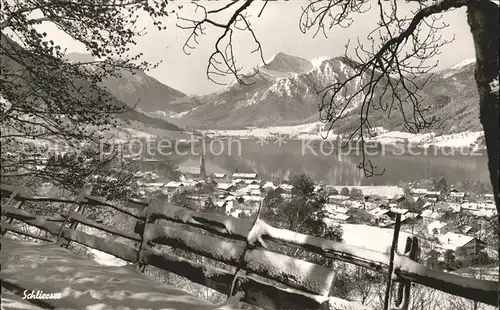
(275, 281)
(404, 267)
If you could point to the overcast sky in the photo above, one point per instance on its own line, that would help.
(278, 31)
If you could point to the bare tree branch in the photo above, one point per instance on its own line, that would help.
(391, 70)
(222, 61)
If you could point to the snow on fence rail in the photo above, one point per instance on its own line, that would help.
(276, 281)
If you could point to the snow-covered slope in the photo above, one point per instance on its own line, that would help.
(284, 92)
(318, 131)
(463, 139)
(372, 238)
(283, 65)
(463, 63)
(102, 257)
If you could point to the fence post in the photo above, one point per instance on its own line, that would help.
(394, 247)
(140, 266)
(80, 200)
(240, 269)
(404, 287)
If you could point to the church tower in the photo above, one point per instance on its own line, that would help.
(203, 171)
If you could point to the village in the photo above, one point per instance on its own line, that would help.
(453, 222)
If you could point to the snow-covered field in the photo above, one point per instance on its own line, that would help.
(124, 134)
(107, 259)
(100, 257)
(290, 131)
(371, 237)
(463, 139)
(317, 131)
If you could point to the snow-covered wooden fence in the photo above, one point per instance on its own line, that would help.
(271, 280)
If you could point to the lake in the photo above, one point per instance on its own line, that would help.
(327, 163)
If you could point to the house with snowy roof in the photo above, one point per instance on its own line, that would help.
(239, 183)
(173, 185)
(220, 175)
(419, 191)
(255, 192)
(335, 218)
(286, 187)
(488, 198)
(337, 198)
(237, 175)
(430, 215)
(254, 186)
(378, 212)
(419, 202)
(464, 247)
(252, 182)
(332, 208)
(437, 228)
(457, 196)
(408, 216)
(432, 196)
(228, 187)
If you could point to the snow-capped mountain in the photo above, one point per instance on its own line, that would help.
(284, 93)
(283, 65)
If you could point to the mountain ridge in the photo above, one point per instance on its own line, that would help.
(130, 118)
(136, 88)
(283, 93)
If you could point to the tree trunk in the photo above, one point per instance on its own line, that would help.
(482, 16)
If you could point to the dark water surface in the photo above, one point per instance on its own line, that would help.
(329, 164)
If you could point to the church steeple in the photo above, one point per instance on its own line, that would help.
(203, 171)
